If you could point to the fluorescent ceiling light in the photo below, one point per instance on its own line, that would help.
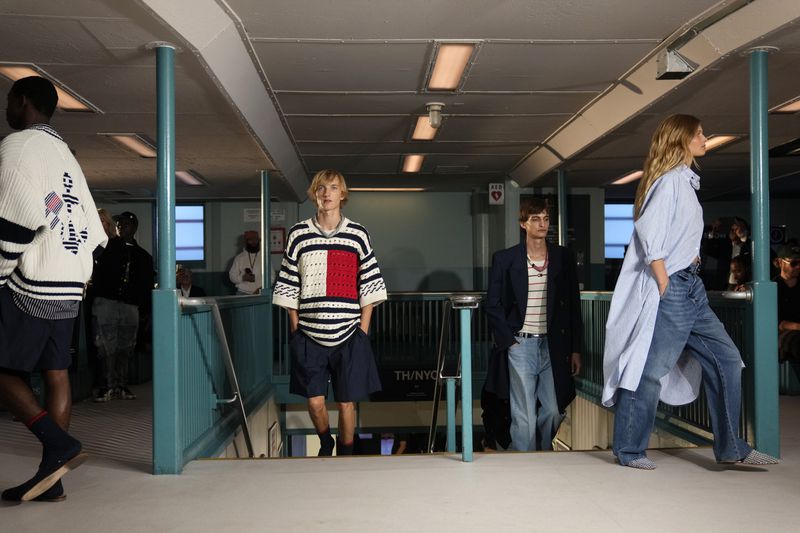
(67, 100)
(136, 142)
(792, 106)
(448, 69)
(628, 178)
(423, 130)
(387, 189)
(190, 177)
(718, 141)
(413, 163)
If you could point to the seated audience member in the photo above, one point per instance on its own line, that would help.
(741, 245)
(788, 262)
(740, 273)
(183, 281)
(715, 255)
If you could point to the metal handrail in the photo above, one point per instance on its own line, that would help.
(213, 302)
(441, 354)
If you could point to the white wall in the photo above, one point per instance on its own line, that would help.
(423, 241)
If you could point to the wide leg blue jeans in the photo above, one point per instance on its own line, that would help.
(685, 322)
(532, 395)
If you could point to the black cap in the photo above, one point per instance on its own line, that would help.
(127, 215)
(789, 251)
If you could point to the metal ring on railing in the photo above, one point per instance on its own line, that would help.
(746, 295)
(465, 301)
(184, 301)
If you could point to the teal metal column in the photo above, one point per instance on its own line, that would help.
(451, 415)
(167, 448)
(266, 290)
(765, 292)
(466, 385)
(562, 207)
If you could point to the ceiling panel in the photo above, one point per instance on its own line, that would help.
(460, 103)
(72, 9)
(527, 128)
(465, 19)
(333, 148)
(343, 66)
(373, 129)
(552, 67)
(49, 46)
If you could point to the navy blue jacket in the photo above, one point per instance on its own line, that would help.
(506, 302)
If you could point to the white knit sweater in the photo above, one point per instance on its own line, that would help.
(49, 227)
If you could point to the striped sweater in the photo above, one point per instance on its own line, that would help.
(328, 279)
(49, 228)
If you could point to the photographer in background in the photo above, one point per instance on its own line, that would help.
(245, 270)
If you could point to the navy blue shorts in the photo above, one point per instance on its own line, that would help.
(28, 343)
(350, 366)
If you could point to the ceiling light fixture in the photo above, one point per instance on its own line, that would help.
(628, 178)
(792, 106)
(435, 113)
(68, 100)
(449, 66)
(413, 163)
(423, 131)
(717, 141)
(387, 189)
(135, 142)
(190, 177)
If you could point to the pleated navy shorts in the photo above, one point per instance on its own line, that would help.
(350, 366)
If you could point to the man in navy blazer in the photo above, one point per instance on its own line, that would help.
(533, 307)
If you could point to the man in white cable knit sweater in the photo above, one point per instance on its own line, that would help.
(49, 231)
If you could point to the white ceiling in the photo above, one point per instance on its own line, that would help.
(347, 81)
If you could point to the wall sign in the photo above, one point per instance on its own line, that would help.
(497, 195)
(277, 240)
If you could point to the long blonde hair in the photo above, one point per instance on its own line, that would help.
(668, 149)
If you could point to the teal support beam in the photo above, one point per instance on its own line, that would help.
(765, 293)
(451, 415)
(167, 450)
(466, 385)
(562, 207)
(266, 272)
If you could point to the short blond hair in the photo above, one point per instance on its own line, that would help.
(326, 176)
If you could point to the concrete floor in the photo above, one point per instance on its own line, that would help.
(564, 492)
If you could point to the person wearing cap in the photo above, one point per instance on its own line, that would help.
(245, 270)
(788, 261)
(328, 283)
(534, 312)
(49, 232)
(122, 284)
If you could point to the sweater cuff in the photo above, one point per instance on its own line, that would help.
(283, 301)
(374, 298)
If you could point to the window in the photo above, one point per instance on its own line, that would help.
(618, 229)
(189, 233)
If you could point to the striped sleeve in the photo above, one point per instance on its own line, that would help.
(97, 239)
(287, 286)
(21, 213)
(371, 287)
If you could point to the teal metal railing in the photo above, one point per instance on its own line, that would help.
(690, 421)
(405, 329)
(206, 420)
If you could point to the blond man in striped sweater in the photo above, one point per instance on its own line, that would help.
(329, 282)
